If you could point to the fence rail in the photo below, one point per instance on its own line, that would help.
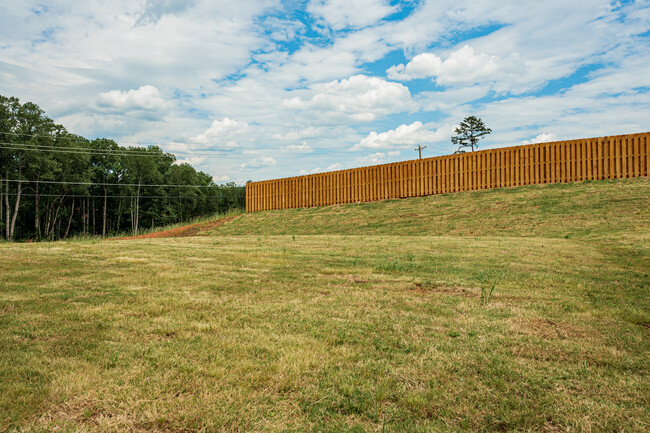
(611, 157)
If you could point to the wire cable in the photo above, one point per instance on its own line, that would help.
(107, 184)
(20, 146)
(178, 142)
(170, 196)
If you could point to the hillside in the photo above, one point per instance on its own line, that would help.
(585, 209)
(522, 309)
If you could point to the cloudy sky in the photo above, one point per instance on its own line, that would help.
(259, 89)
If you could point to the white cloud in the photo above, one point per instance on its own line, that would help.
(335, 166)
(303, 133)
(404, 135)
(217, 59)
(145, 98)
(263, 161)
(312, 171)
(222, 133)
(218, 179)
(302, 148)
(283, 29)
(191, 160)
(359, 99)
(340, 14)
(541, 138)
(372, 159)
(463, 66)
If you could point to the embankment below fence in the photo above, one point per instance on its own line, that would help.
(591, 209)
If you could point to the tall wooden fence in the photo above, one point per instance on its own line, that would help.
(612, 157)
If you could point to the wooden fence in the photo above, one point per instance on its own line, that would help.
(612, 157)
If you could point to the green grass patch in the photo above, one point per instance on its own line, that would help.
(357, 330)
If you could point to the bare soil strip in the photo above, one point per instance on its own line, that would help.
(181, 232)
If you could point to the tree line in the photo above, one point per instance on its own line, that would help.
(56, 184)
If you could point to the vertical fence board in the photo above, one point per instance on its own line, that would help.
(646, 148)
(611, 157)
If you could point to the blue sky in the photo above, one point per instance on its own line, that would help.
(260, 89)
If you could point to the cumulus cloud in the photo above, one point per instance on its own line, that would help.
(222, 133)
(359, 98)
(335, 166)
(263, 161)
(463, 66)
(145, 98)
(341, 14)
(191, 160)
(218, 179)
(312, 171)
(372, 159)
(303, 133)
(403, 135)
(542, 138)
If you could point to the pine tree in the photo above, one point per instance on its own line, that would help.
(470, 131)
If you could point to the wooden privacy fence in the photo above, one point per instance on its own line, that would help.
(612, 157)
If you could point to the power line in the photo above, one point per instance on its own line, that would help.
(170, 196)
(175, 143)
(107, 184)
(79, 149)
(20, 146)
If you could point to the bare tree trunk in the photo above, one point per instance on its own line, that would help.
(119, 215)
(137, 208)
(132, 214)
(67, 229)
(87, 215)
(7, 208)
(56, 219)
(16, 207)
(83, 216)
(58, 230)
(94, 231)
(37, 213)
(104, 218)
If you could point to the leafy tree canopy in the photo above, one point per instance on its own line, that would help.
(55, 184)
(470, 132)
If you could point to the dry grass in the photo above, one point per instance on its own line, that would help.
(331, 332)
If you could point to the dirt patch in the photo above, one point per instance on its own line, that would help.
(423, 288)
(547, 329)
(181, 232)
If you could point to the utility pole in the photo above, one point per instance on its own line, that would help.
(419, 149)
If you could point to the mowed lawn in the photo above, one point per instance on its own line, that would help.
(340, 332)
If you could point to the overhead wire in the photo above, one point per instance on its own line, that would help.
(81, 151)
(106, 183)
(176, 143)
(123, 196)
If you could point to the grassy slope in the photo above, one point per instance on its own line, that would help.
(584, 209)
(262, 327)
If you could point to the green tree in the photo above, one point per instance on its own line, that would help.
(56, 184)
(140, 170)
(21, 126)
(105, 170)
(471, 130)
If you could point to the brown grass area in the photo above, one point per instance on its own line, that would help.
(549, 329)
(182, 232)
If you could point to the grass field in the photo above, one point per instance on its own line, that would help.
(370, 317)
